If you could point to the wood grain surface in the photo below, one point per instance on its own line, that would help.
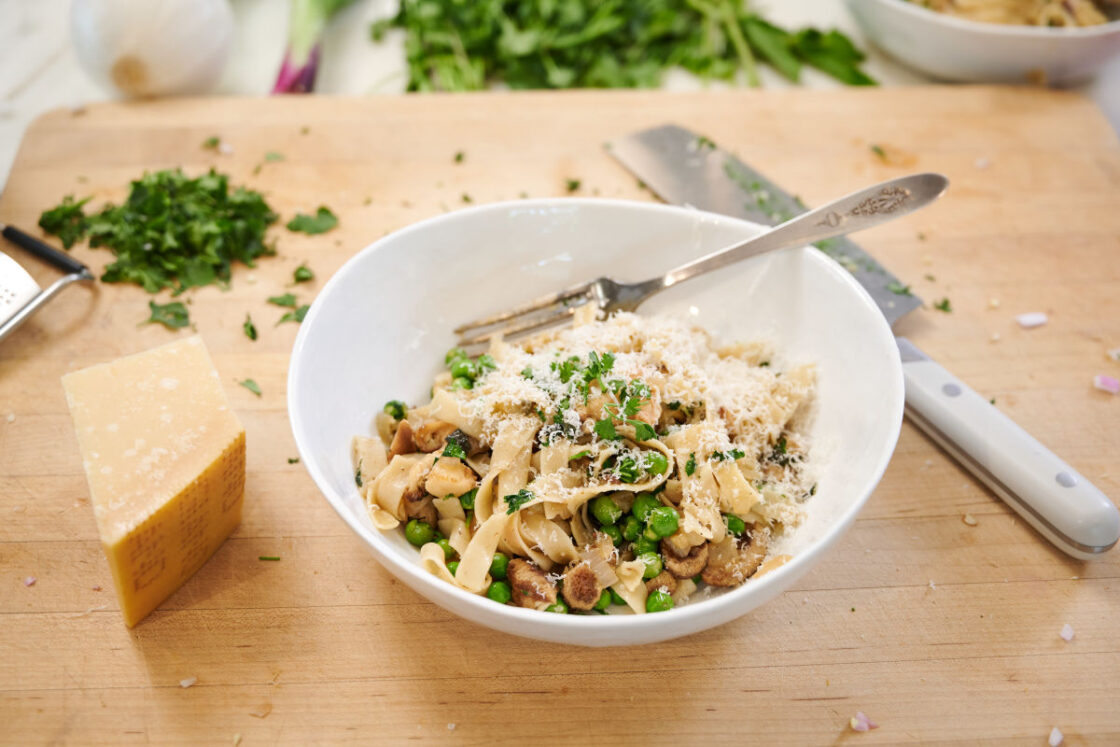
(938, 630)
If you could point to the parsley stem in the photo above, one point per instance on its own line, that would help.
(742, 49)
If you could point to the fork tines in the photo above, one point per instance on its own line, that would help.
(545, 311)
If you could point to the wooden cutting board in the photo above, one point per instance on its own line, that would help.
(936, 629)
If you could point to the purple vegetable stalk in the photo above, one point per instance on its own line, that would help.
(308, 21)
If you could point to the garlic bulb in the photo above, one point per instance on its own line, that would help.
(153, 47)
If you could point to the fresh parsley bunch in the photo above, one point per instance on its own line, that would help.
(453, 45)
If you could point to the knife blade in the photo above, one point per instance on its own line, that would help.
(684, 168)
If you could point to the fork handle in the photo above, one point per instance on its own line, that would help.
(863, 209)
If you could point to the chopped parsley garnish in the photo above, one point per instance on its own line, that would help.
(731, 455)
(251, 385)
(515, 502)
(249, 328)
(268, 557)
(395, 409)
(579, 455)
(459, 156)
(172, 315)
(930, 277)
(295, 316)
(466, 500)
(212, 142)
(457, 445)
(690, 465)
(572, 184)
(703, 141)
(627, 470)
(287, 300)
(466, 198)
(605, 429)
(303, 274)
(944, 305)
(642, 431)
(527, 373)
(171, 231)
(323, 221)
(293, 460)
(899, 289)
(764, 364)
(674, 405)
(358, 476)
(66, 221)
(878, 151)
(272, 156)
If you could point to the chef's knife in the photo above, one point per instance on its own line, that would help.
(687, 169)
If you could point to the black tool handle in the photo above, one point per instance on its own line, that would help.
(64, 262)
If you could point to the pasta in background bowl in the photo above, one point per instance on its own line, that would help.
(382, 325)
(960, 48)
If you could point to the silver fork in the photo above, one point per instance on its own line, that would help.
(863, 209)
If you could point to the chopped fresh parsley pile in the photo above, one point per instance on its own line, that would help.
(461, 46)
(172, 231)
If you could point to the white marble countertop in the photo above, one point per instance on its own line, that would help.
(41, 71)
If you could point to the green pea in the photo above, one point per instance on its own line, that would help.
(644, 545)
(613, 533)
(605, 510)
(498, 565)
(466, 500)
(461, 382)
(463, 367)
(735, 525)
(448, 550)
(652, 562)
(500, 592)
(649, 534)
(418, 533)
(604, 600)
(643, 504)
(453, 354)
(656, 463)
(659, 601)
(631, 527)
(560, 607)
(453, 566)
(486, 363)
(616, 598)
(664, 521)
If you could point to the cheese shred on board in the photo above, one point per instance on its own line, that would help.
(629, 461)
(165, 460)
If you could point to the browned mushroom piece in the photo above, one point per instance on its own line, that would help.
(663, 580)
(680, 544)
(581, 587)
(688, 566)
(402, 440)
(449, 478)
(431, 435)
(418, 505)
(530, 585)
(735, 559)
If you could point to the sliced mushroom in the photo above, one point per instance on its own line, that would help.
(663, 580)
(431, 435)
(449, 478)
(688, 566)
(530, 585)
(418, 505)
(581, 586)
(735, 559)
(402, 440)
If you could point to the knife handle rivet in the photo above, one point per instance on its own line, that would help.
(951, 390)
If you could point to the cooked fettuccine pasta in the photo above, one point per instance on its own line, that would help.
(631, 461)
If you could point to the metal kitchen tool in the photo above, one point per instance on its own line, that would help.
(20, 295)
(855, 212)
(687, 169)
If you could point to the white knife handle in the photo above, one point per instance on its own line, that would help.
(1034, 481)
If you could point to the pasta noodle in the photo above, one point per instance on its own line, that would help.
(626, 462)
(1023, 12)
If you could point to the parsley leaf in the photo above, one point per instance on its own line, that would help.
(295, 316)
(642, 431)
(212, 142)
(302, 274)
(293, 460)
(944, 305)
(515, 502)
(457, 445)
(287, 301)
(572, 184)
(250, 328)
(690, 465)
(605, 429)
(579, 455)
(323, 221)
(899, 289)
(273, 156)
(172, 315)
(251, 385)
(459, 156)
(66, 221)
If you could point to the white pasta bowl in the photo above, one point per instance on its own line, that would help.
(381, 325)
(959, 49)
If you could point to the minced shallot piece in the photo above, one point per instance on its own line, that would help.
(1066, 633)
(1055, 737)
(969, 519)
(1106, 384)
(860, 722)
(1032, 319)
(29, 581)
(187, 682)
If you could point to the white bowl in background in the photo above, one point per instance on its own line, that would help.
(959, 49)
(380, 327)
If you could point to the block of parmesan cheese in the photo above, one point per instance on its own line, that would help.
(165, 461)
